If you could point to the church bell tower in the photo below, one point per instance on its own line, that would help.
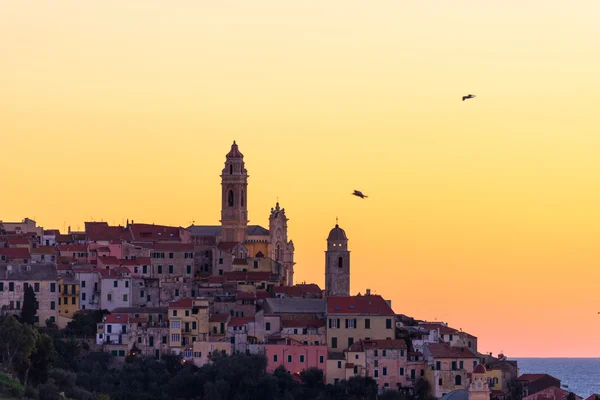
(337, 263)
(234, 192)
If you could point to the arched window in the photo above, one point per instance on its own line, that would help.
(242, 199)
(230, 169)
(457, 380)
(230, 198)
(341, 262)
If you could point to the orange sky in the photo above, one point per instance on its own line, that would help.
(482, 213)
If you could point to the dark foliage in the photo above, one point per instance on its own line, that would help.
(29, 307)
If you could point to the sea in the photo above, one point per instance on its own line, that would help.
(581, 375)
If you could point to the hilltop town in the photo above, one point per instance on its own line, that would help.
(205, 292)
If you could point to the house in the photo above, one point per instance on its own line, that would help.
(204, 352)
(308, 331)
(303, 290)
(453, 337)
(450, 367)
(148, 330)
(25, 226)
(49, 237)
(237, 333)
(353, 318)
(500, 375)
(15, 256)
(89, 287)
(295, 356)
(172, 259)
(15, 279)
(116, 288)
(533, 383)
(188, 323)
(69, 292)
(112, 334)
(43, 254)
(75, 252)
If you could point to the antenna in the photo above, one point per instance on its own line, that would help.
(336, 220)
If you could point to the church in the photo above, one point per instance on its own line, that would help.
(237, 246)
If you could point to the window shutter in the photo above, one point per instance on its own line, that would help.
(346, 323)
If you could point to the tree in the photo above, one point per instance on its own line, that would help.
(29, 307)
(422, 389)
(17, 341)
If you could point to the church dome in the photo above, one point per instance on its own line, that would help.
(337, 233)
(479, 369)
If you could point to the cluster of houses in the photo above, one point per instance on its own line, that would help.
(210, 291)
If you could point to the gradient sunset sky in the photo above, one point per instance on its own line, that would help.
(483, 213)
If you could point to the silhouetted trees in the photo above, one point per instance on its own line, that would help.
(29, 307)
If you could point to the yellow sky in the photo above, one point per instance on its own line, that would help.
(483, 213)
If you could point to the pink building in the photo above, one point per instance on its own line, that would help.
(74, 252)
(386, 362)
(295, 356)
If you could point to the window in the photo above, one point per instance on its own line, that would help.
(340, 262)
(384, 371)
(159, 269)
(142, 294)
(170, 269)
(126, 283)
(73, 300)
(402, 354)
(188, 269)
(116, 283)
(36, 287)
(82, 284)
(301, 358)
(334, 343)
(339, 364)
(193, 325)
(440, 382)
(52, 305)
(268, 326)
(11, 286)
(401, 372)
(376, 352)
(109, 297)
(351, 323)
(450, 337)
(220, 261)
(124, 297)
(388, 323)
(321, 359)
(461, 365)
(144, 269)
(453, 365)
(438, 365)
(175, 337)
(170, 255)
(469, 344)
(474, 364)
(356, 356)
(376, 363)
(367, 323)
(334, 323)
(174, 313)
(25, 286)
(457, 380)
(175, 324)
(1, 286)
(176, 292)
(83, 296)
(121, 353)
(350, 341)
(289, 358)
(376, 373)
(230, 194)
(383, 353)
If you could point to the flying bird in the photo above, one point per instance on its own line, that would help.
(358, 193)
(470, 96)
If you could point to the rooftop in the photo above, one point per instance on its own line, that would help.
(28, 272)
(369, 304)
(295, 305)
(443, 350)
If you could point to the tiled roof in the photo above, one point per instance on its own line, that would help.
(15, 240)
(116, 318)
(15, 253)
(135, 261)
(443, 350)
(183, 303)
(227, 246)
(349, 365)
(239, 321)
(174, 247)
(147, 232)
(44, 250)
(64, 238)
(370, 304)
(101, 231)
(385, 344)
(108, 260)
(73, 247)
(28, 272)
(263, 295)
(245, 296)
(219, 318)
(215, 230)
(298, 290)
(250, 276)
(551, 393)
(115, 273)
(294, 306)
(531, 377)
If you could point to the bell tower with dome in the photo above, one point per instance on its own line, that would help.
(234, 194)
(337, 263)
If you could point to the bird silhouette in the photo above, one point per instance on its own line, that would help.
(470, 96)
(358, 193)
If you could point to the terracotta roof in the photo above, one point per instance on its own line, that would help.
(245, 296)
(250, 276)
(234, 152)
(302, 323)
(384, 344)
(174, 247)
(442, 329)
(240, 261)
(298, 290)
(147, 232)
(216, 279)
(17, 240)
(135, 261)
(73, 247)
(15, 252)
(108, 260)
(44, 250)
(101, 231)
(183, 303)
(263, 295)
(239, 321)
(116, 318)
(550, 393)
(443, 350)
(531, 377)
(227, 246)
(115, 273)
(415, 353)
(64, 238)
(219, 318)
(594, 397)
(371, 305)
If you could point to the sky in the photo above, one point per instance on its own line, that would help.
(483, 213)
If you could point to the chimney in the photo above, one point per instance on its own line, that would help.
(368, 292)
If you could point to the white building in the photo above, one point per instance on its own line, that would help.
(89, 288)
(116, 287)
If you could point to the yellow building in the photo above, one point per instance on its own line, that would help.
(68, 298)
(205, 352)
(188, 323)
(352, 318)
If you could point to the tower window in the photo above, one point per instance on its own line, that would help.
(230, 198)
(341, 262)
(230, 169)
(242, 199)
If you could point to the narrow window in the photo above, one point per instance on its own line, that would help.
(230, 198)
(230, 169)
(340, 262)
(242, 200)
